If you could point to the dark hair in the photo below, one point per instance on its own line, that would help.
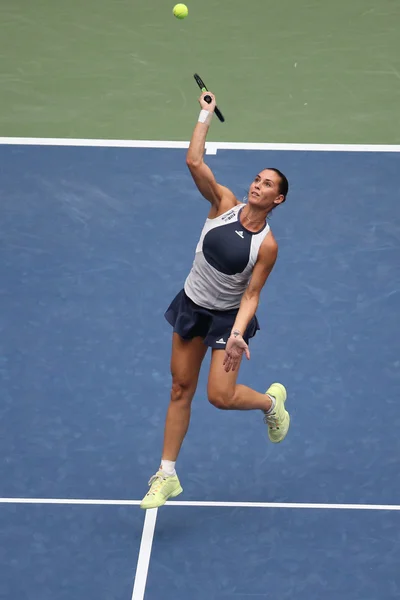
(283, 184)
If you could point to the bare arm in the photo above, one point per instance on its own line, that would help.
(236, 345)
(201, 173)
(262, 269)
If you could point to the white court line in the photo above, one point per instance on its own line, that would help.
(146, 544)
(211, 147)
(302, 505)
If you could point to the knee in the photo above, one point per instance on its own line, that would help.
(223, 399)
(182, 390)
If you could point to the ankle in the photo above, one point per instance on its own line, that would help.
(168, 467)
(273, 403)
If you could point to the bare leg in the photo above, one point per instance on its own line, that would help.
(225, 393)
(186, 359)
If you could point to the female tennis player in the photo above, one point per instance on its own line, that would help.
(217, 307)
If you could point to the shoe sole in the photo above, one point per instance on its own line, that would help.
(174, 494)
(283, 390)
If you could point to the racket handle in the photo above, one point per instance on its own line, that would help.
(219, 114)
(208, 99)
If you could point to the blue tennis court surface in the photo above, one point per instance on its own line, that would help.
(95, 242)
(68, 552)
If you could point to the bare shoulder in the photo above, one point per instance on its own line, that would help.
(268, 251)
(267, 255)
(227, 201)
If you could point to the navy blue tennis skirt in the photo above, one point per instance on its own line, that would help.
(190, 320)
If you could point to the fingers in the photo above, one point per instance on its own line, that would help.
(232, 364)
(235, 347)
(227, 362)
(204, 94)
(232, 358)
(207, 105)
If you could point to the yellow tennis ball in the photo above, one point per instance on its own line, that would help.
(180, 11)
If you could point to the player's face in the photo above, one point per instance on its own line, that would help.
(264, 191)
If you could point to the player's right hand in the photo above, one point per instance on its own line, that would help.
(204, 105)
(235, 347)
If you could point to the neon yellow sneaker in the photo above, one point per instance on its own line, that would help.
(162, 487)
(278, 420)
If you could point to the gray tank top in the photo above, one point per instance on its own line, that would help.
(225, 256)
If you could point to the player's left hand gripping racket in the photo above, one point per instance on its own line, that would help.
(203, 88)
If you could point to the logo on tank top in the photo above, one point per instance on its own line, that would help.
(240, 233)
(230, 215)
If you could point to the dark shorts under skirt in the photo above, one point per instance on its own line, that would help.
(190, 320)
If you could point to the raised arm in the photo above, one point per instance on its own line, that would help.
(201, 173)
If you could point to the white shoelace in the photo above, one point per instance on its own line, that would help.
(153, 479)
(272, 420)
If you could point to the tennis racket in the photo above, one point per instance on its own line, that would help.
(203, 88)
